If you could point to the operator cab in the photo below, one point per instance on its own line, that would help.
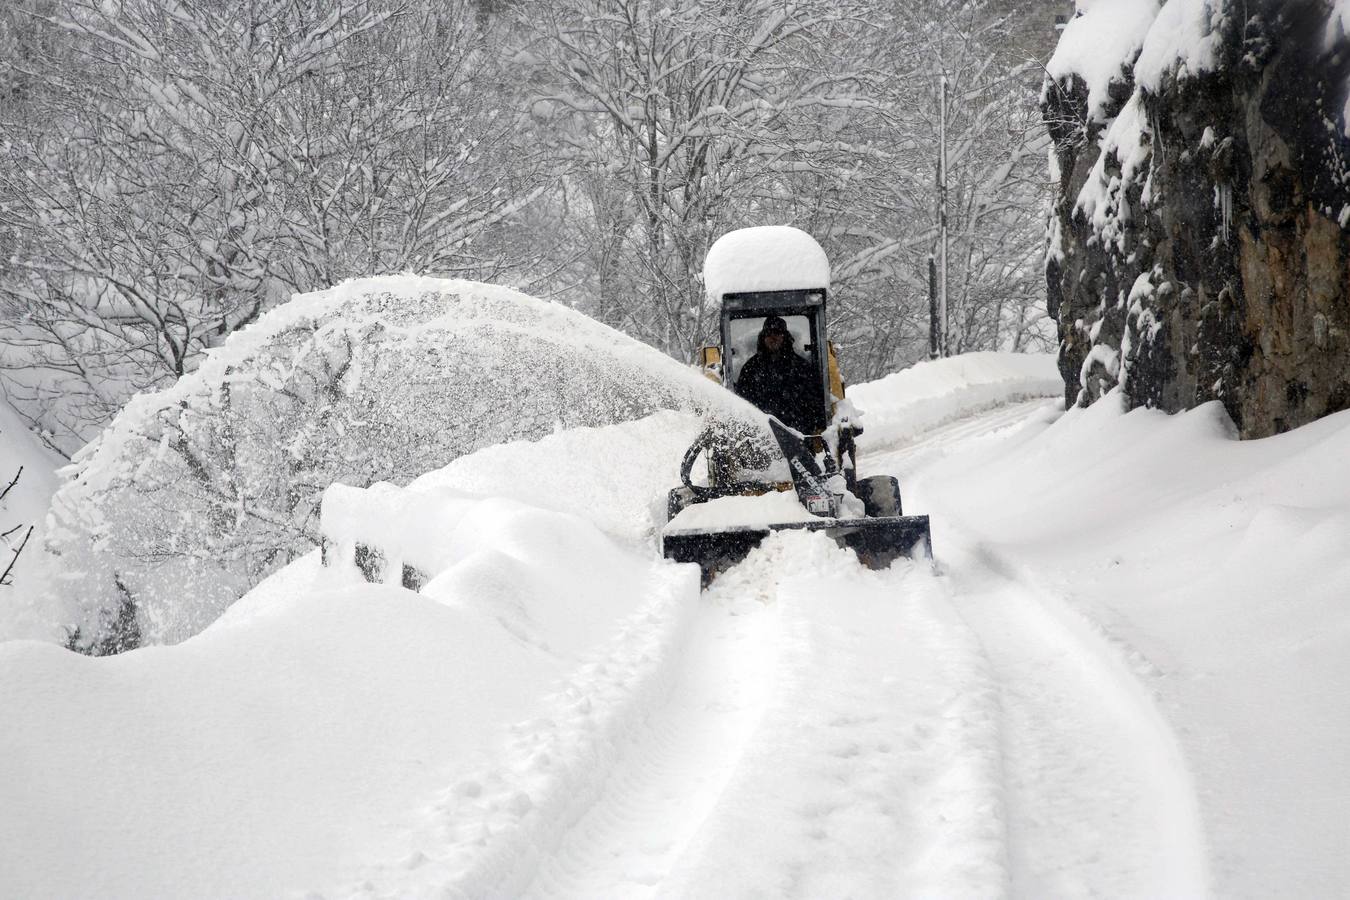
(773, 270)
(743, 317)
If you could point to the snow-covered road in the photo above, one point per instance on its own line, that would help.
(838, 732)
(1105, 687)
(828, 735)
(676, 762)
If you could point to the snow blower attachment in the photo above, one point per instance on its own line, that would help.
(771, 284)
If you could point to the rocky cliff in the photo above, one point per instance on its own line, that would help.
(1199, 247)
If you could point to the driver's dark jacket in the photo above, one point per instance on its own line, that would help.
(785, 386)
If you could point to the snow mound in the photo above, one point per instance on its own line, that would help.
(288, 741)
(616, 476)
(765, 258)
(1216, 569)
(903, 405)
(197, 492)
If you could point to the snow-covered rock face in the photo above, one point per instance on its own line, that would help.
(1096, 45)
(1199, 249)
(766, 258)
(196, 493)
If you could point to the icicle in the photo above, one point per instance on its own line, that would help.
(1223, 199)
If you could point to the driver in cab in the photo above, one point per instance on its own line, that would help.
(780, 382)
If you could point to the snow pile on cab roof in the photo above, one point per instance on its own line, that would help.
(765, 258)
(197, 492)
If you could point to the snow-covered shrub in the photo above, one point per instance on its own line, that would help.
(197, 492)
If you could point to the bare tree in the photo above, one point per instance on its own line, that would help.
(10, 538)
(195, 163)
(997, 199)
(680, 120)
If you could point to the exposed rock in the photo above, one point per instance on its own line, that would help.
(1199, 248)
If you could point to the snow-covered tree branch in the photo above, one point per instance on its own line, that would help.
(182, 166)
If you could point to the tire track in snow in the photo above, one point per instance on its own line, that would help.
(906, 457)
(1099, 798)
(675, 767)
(830, 732)
(875, 769)
(488, 833)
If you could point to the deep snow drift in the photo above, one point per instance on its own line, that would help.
(1142, 696)
(195, 493)
(1215, 570)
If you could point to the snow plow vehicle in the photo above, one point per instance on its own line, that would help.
(801, 473)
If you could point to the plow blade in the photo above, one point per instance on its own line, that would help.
(877, 541)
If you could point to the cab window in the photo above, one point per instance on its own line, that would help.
(743, 340)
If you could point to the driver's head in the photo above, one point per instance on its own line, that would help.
(774, 335)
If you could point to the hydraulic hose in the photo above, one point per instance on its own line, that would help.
(700, 444)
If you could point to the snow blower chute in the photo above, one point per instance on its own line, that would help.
(771, 284)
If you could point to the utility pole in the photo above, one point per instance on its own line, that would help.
(934, 323)
(942, 218)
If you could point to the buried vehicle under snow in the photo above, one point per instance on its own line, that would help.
(771, 284)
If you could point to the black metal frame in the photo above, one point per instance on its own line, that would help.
(876, 541)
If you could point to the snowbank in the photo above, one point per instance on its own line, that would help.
(195, 493)
(616, 477)
(766, 258)
(1217, 571)
(311, 725)
(902, 406)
